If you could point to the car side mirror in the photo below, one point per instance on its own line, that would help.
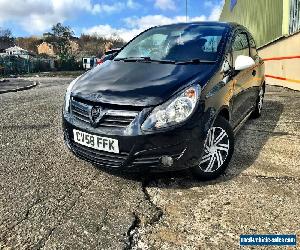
(243, 62)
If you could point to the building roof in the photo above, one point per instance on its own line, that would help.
(15, 48)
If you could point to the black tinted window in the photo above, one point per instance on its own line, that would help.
(253, 51)
(240, 46)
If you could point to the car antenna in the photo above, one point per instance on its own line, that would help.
(186, 11)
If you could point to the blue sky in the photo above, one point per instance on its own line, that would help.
(124, 18)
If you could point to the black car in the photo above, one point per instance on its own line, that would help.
(172, 98)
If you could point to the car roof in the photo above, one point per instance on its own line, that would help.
(230, 25)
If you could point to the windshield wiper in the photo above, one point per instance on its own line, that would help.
(195, 61)
(134, 59)
(164, 61)
(144, 59)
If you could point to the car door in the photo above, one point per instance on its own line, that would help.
(241, 102)
(257, 71)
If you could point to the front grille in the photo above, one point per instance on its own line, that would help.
(114, 116)
(99, 157)
(152, 160)
(80, 110)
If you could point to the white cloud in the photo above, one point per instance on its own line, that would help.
(135, 25)
(216, 11)
(154, 20)
(132, 4)
(108, 32)
(39, 15)
(165, 4)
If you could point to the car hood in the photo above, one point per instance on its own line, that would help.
(138, 83)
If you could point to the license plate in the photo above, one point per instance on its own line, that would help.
(96, 142)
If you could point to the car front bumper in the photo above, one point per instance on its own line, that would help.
(174, 149)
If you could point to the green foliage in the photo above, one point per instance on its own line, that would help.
(93, 45)
(60, 38)
(28, 43)
(67, 64)
(6, 38)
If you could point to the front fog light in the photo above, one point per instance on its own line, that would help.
(167, 161)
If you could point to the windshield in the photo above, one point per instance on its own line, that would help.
(176, 43)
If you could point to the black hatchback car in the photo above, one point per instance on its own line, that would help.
(172, 98)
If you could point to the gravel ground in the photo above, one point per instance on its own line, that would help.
(50, 199)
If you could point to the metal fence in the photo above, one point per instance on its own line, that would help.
(294, 16)
(18, 65)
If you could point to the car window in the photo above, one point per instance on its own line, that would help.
(240, 46)
(212, 43)
(154, 41)
(253, 50)
(177, 43)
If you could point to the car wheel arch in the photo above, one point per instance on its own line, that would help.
(224, 112)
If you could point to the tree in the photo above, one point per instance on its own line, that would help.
(5, 33)
(60, 38)
(28, 43)
(93, 45)
(6, 38)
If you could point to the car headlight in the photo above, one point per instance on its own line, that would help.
(174, 111)
(68, 94)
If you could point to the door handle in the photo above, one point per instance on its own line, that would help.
(254, 72)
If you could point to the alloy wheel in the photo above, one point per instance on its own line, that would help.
(216, 150)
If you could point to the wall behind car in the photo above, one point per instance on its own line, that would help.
(275, 25)
(282, 60)
(263, 18)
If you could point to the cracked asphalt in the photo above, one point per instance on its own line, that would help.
(50, 199)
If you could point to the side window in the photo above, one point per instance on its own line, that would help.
(240, 46)
(253, 51)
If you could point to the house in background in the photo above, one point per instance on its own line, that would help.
(46, 48)
(275, 25)
(17, 51)
(49, 49)
(3, 46)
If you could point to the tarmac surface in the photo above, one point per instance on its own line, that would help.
(50, 199)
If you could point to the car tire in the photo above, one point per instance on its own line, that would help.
(217, 152)
(259, 103)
